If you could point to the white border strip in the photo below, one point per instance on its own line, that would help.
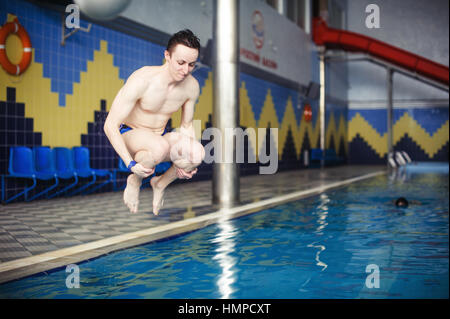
(35, 264)
(398, 104)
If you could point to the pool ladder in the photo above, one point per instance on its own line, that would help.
(398, 159)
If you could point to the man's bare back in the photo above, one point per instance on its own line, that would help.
(145, 104)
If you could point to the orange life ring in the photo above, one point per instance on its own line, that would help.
(307, 113)
(15, 27)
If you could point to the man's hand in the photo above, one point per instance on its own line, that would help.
(182, 174)
(141, 171)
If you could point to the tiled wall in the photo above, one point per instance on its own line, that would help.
(64, 96)
(422, 132)
(15, 128)
(336, 127)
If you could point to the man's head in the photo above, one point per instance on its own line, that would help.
(181, 54)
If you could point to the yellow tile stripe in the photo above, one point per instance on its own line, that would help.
(431, 144)
(336, 134)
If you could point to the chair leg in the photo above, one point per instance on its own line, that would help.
(45, 190)
(114, 180)
(24, 192)
(3, 188)
(101, 185)
(94, 177)
(65, 188)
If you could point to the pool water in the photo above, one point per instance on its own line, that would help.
(318, 247)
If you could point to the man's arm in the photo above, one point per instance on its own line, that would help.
(121, 107)
(187, 112)
(187, 124)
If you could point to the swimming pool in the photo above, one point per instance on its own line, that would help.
(318, 247)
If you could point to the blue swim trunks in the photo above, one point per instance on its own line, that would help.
(161, 167)
(125, 128)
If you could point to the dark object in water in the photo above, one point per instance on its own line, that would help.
(401, 202)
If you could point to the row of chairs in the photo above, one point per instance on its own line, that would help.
(45, 164)
(59, 163)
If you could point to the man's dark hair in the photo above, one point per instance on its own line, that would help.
(184, 37)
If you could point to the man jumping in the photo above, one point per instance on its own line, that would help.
(136, 123)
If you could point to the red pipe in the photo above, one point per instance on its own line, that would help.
(351, 41)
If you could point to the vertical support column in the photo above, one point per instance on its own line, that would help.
(281, 7)
(307, 15)
(390, 113)
(322, 104)
(226, 99)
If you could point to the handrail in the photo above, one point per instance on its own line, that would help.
(381, 62)
(378, 50)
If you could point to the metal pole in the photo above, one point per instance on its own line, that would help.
(322, 105)
(226, 98)
(366, 57)
(390, 73)
(308, 14)
(280, 4)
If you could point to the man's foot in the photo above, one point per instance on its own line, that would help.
(131, 193)
(158, 194)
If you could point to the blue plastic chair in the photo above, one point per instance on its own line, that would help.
(22, 165)
(45, 159)
(316, 154)
(82, 166)
(64, 163)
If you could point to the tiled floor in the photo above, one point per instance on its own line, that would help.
(29, 229)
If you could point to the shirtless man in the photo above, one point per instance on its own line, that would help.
(136, 123)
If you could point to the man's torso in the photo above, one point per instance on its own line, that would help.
(158, 102)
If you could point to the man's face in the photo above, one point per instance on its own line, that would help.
(181, 61)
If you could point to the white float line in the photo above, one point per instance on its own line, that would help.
(31, 265)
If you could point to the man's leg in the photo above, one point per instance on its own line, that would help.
(147, 149)
(185, 153)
